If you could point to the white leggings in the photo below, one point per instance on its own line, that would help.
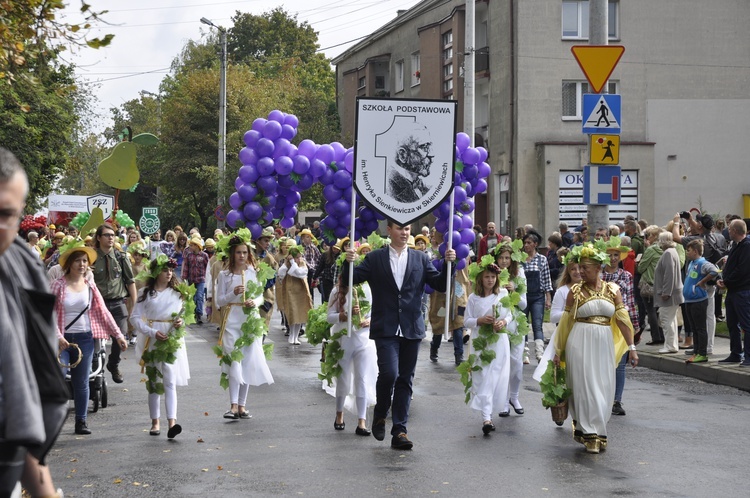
(237, 392)
(357, 366)
(516, 370)
(294, 332)
(170, 396)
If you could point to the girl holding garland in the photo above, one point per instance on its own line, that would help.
(297, 298)
(488, 319)
(158, 320)
(516, 283)
(231, 293)
(359, 362)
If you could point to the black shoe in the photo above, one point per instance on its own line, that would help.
(301, 332)
(154, 432)
(732, 358)
(173, 431)
(466, 338)
(459, 359)
(487, 428)
(745, 363)
(690, 352)
(231, 415)
(116, 375)
(401, 442)
(503, 414)
(362, 431)
(199, 321)
(378, 429)
(82, 428)
(617, 409)
(518, 409)
(654, 343)
(433, 355)
(637, 337)
(339, 427)
(244, 415)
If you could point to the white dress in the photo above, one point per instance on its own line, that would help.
(555, 315)
(490, 385)
(360, 356)
(253, 369)
(160, 306)
(590, 368)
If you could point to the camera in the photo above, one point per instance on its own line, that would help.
(685, 215)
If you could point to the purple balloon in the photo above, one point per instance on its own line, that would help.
(247, 192)
(467, 236)
(238, 182)
(283, 165)
(483, 154)
(264, 147)
(461, 264)
(462, 141)
(470, 172)
(291, 120)
(252, 211)
(288, 132)
(345, 220)
(342, 179)
(327, 177)
(483, 170)
(331, 193)
(371, 225)
(235, 200)
(339, 151)
(301, 165)
(441, 225)
(467, 222)
(481, 187)
(248, 156)
(341, 231)
(248, 174)
(265, 166)
(340, 207)
(428, 289)
(365, 214)
(293, 198)
(457, 153)
(462, 251)
(307, 148)
(258, 124)
(255, 230)
(455, 238)
(317, 168)
(233, 217)
(456, 222)
(282, 147)
(325, 153)
(251, 138)
(349, 162)
(290, 212)
(267, 184)
(329, 222)
(276, 116)
(470, 156)
(469, 206)
(272, 130)
(287, 223)
(459, 195)
(304, 183)
(438, 264)
(468, 189)
(445, 208)
(285, 181)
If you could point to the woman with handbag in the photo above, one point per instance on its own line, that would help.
(82, 317)
(593, 334)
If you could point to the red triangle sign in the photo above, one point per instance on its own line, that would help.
(597, 62)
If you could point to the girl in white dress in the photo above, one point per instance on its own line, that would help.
(231, 292)
(487, 319)
(297, 298)
(155, 317)
(359, 363)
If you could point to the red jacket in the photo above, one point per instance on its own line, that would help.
(628, 263)
(483, 244)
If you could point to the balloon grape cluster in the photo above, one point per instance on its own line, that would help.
(275, 172)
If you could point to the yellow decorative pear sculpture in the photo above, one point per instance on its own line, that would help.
(95, 220)
(119, 170)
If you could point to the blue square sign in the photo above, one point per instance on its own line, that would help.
(601, 185)
(601, 113)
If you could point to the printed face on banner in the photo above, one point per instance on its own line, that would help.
(104, 202)
(404, 155)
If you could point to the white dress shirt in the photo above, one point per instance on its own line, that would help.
(398, 267)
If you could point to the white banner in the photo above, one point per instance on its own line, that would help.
(67, 203)
(404, 155)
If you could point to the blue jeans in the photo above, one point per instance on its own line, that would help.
(620, 376)
(79, 376)
(200, 296)
(397, 359)
(458, 341)
(535, 308)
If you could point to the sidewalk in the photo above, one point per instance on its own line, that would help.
(717, 373)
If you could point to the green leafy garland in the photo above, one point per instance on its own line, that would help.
(164, 351)
(486, 335)
(253, 328)
(554, 392)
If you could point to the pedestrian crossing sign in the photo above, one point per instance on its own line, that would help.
(604, 149)
(601, 113)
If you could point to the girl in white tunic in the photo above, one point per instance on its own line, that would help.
(355, 387)
(590, 335)
(231, 293)
(154, 317)
(490, 384)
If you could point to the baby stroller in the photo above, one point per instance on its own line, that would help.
(97, 381)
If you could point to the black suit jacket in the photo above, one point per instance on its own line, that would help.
(392, 307)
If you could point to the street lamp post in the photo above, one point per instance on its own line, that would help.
(222, 113)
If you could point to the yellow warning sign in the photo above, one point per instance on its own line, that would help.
(604, 149)
(597, 62)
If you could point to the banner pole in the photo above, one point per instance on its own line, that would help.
(351, 266)
(448, 284)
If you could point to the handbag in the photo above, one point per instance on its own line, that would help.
(647, 289)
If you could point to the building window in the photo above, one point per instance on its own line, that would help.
(399, 76)
(572, 99)
(448, 70)
(448, 85)
(361, 83)
(447, 39)
(575, 19)
(379, 82)
(415, 67)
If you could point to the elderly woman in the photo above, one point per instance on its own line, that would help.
(646, 267)
(668, 291)
(593, 334)
(82, 317)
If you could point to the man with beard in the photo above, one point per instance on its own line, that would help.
(412, 162)
(489, 241)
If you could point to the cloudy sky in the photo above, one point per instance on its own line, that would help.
(150, 33)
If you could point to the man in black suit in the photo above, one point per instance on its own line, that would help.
(397, 277)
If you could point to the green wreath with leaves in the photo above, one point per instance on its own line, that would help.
(165, 351)
(253, 328)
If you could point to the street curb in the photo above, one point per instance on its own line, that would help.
(726, 375)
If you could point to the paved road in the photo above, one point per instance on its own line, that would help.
(681, 437)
